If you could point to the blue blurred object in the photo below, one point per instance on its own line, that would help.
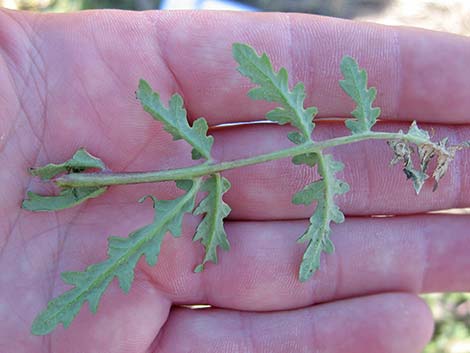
(204, 5)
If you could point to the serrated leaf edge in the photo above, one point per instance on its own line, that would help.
(202, 145)
(366, 115)
(325, 205)
(40, 326)
(220, 210)
(292, 100)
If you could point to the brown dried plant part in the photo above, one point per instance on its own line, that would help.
(426, 153)
(402, 152)
(444, 159)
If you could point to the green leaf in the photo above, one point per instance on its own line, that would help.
(80, 161)
(312, 192)
(309, 159)
(123, 255)
(211, 230)
(317, 234)
(417, 176)
(175, 120)
(355, 85)
(415, 131)
(274, 87)
(68, 197)
(296, 137)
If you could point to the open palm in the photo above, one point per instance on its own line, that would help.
(68, 81)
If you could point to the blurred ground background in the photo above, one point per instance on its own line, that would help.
(447, 15)
(451, 310)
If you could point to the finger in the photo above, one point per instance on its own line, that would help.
(77, 89)
(142, 146)
(413, 254)
(403, 64)
(382, 323)
(265, 191)
(419, 74)
(124, 323)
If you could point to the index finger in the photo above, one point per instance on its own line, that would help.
(420, 75)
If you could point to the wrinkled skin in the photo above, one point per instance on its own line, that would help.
(68, 80)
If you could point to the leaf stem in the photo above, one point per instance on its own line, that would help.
(105, 179)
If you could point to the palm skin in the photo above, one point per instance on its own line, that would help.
(68, 81)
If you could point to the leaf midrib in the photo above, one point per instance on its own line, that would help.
(216, 210)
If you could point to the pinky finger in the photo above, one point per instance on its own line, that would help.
(385, 323)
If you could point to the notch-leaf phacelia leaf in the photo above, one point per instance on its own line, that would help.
(318, 232)
(274, 87)
(211, 230)
(79, 162)
(68, 197)
(175, 120)
(123, 255)
(355, 85)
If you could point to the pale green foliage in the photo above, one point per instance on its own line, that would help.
(175, 120)
(274, 87)
(68, 197)
(310, 159)
(323, 192)
(211, 230)
(355, 85)
(79, 162)
(318, 232)
(123, 255)
(415, 131)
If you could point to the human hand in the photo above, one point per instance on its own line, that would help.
(68, 81)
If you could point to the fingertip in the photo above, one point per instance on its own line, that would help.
(410, 314)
